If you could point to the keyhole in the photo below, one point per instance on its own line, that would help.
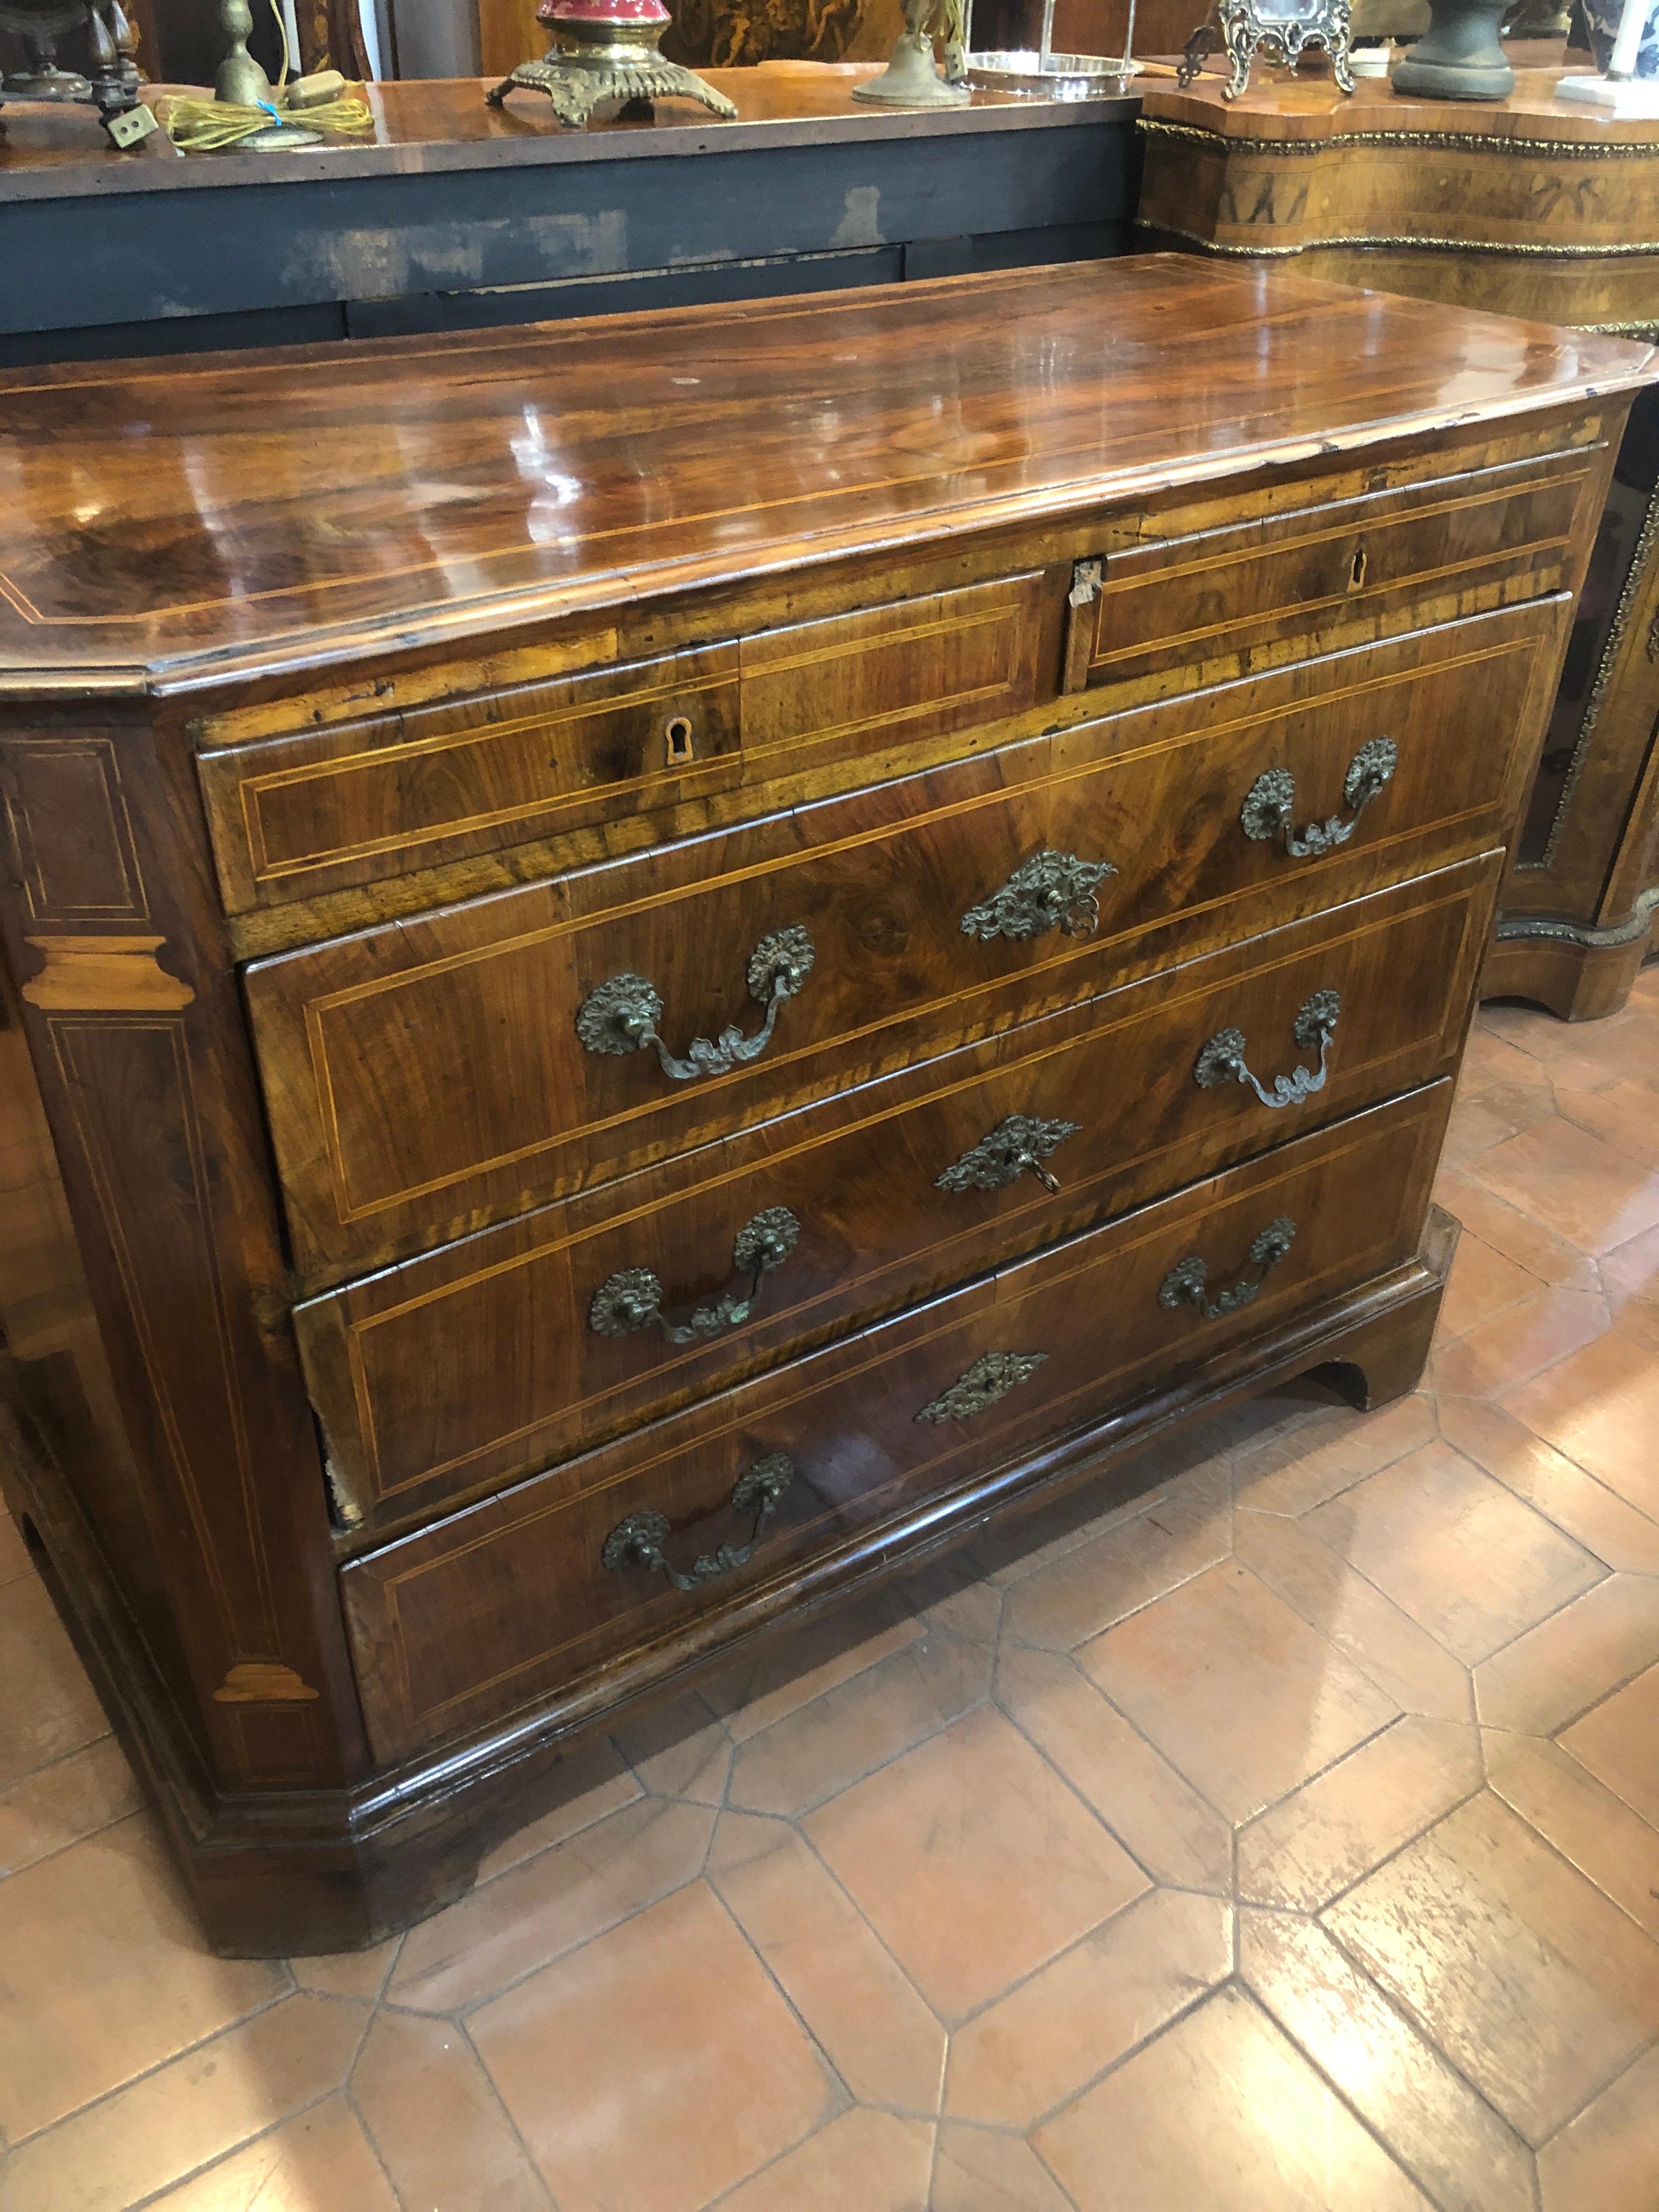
(1357, 570)
(678, 734)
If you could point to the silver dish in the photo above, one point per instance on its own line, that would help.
(1050, 76)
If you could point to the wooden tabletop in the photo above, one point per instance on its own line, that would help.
(264, 511)
(435, 124)
(1309, 106)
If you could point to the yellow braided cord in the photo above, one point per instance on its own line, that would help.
(209, 126)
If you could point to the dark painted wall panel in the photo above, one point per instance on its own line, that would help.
(360, 248)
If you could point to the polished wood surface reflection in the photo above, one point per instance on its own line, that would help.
(1103, 696)
(526, 478)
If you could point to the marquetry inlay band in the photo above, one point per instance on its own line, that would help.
(104, 975)
(262, 1682)
(1417, 245)
(1429, 142)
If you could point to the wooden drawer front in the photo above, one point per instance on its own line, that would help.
(425, 1079)
(333, 807)
(459, 1372)
(1180, 600)
(339, 806)
(919, 669)
(510, 1601)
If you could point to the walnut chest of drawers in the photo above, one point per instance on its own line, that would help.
(652, 964)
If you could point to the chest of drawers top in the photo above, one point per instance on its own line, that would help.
(223, 529)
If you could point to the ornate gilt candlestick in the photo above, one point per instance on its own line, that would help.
(605, 50)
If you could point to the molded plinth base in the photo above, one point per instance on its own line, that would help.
(1579, 974)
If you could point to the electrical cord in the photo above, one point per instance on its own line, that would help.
(212, 126)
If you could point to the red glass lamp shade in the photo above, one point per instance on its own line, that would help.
(642, 12)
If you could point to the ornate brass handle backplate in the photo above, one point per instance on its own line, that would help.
(1051, 890)
(1269, 808)
(633, 1297)
(638, 1541)
(1187, 1282)
(1222, 1059)
(990, 1377)
(622, 1015)
(1017, 1146)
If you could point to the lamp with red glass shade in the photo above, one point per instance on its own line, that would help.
(606, 50)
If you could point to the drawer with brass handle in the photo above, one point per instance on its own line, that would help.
(797, 1468)
(446, 1376)
(572, 1030)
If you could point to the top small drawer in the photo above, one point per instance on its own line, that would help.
(330, 809)
(1192, 590)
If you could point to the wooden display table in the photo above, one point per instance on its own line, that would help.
(459, 214)
(1534, 207)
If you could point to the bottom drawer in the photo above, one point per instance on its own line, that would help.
(519, 1598)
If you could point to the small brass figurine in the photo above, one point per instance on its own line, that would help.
(911, 78)
(605, 50)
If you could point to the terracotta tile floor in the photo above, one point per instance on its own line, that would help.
(1288, 1843)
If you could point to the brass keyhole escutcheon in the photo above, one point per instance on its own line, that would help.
(678, 736)
(1357, 570)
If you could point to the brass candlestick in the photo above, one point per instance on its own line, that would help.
(242, 83)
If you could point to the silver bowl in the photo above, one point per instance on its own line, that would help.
(1050, 76)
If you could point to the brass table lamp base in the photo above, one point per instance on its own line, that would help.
(606, 50)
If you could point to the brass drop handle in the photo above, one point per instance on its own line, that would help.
(638, 1541)
(632, 1298)
(1017, 1146)
(1268, 810)
(1051, 890)
(1187, 1282)
(621, 1015)
(1222, 1059)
